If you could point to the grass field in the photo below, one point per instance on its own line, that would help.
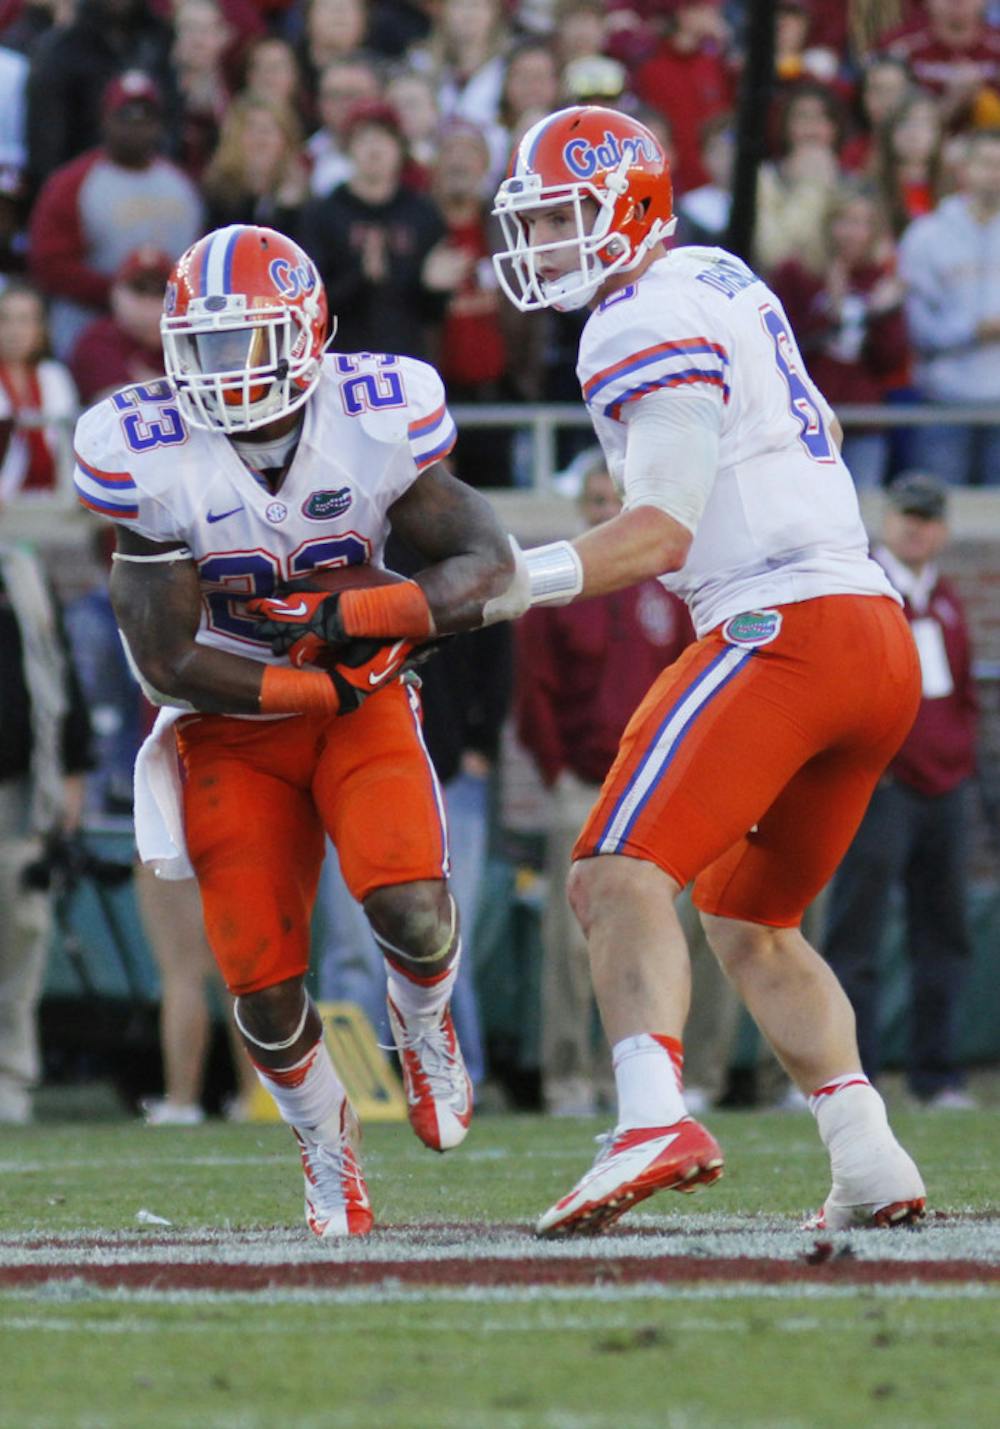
(452, 1314)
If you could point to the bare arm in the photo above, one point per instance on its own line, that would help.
(455, 529)
(158, 606)
(633, 546)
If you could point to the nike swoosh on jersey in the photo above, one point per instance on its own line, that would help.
(211, 517)
(375, 676)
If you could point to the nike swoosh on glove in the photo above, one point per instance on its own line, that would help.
(302, 625)
(365, 667)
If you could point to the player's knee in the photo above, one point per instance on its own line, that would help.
(737, 944)
(417, 920)
(272, 1014)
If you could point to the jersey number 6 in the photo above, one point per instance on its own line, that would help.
(813, 434)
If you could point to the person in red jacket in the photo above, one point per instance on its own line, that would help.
(581, 670)
(849, 320)
(915, 831)
(689, 79)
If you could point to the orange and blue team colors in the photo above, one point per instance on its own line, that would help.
(258, 797)
(748, 767)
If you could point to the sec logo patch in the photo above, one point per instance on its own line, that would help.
(276, 512)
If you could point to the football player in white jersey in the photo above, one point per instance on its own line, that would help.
(261, 458)
(749, 764)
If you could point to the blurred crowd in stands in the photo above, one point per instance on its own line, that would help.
(375, 131)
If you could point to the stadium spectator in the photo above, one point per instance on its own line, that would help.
(848, 319)
(798, 55)
(530, 89)
(174, 925)
(907, 160)
(580, 32)
(13, 221)
(794, 193)
(273, 73)
(37, 401)
(13, 81)
(703, 213)
(599, 79)
(124, 347)
(257, 173)
(396, 25)
(473, 351)
(580, 672)
(378, 245)
(343, 84)
(200, 92)
(950, 263)
(689, 78)
(465, 56)
(71, 68)
(953, 51)
(915, 833)
(334, 30)
(883, 86)
(23, 26)
(44, 752)
(98, 208)
(414, 98)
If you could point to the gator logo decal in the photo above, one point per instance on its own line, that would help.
(325, 505)
(752, 627)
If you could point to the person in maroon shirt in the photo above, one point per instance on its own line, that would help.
(689, 79)
(915, 831)
(849, 320)
(581, 670)
(125, 347)
(954, 51)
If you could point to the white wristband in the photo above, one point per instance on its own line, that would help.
(556, 573)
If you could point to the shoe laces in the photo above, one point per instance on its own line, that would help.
(330, 1165)
(440, 1062)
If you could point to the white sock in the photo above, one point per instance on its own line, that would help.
(308, 1094)
(854, 1128)
(422, 999)
(648, 1078)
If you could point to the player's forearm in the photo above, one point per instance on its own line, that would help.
(634, 546)
(208, 680)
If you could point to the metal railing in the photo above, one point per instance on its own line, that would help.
(544, 421)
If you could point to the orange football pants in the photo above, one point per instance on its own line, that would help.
(749, 769)
(258, 798)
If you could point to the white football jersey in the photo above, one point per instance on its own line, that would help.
(782, 522)
(374, 422)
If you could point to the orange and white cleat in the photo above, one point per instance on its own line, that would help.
(337, 1201)
(631, 1166)
(438, 1089)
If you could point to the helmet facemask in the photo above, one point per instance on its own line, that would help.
(599, 251)
(238, 364)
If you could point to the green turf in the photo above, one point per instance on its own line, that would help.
(75, 1358)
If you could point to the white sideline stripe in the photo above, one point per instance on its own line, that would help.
(705, 1236)
(74, 1292)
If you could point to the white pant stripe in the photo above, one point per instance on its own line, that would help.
(660, 753)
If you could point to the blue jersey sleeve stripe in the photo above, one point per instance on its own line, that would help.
(425, 459)
(108, 508)
(676, 379)
(662, 351)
